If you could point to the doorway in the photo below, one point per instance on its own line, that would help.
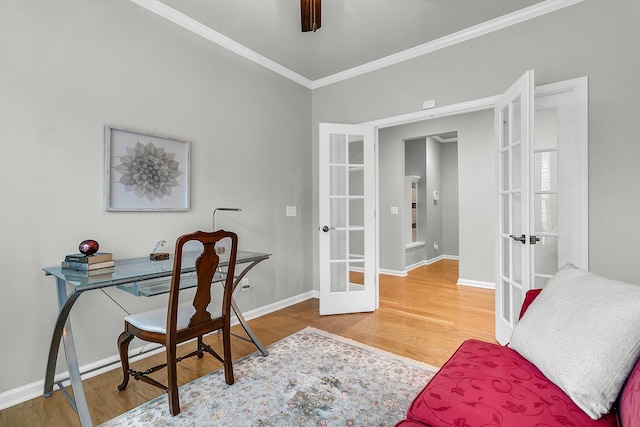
(430, 209)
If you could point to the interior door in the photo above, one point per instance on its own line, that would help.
(514, 131)
(348, 281)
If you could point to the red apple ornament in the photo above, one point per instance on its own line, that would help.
(88, 247)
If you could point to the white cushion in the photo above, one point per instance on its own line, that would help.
(583, 333)
(156, 320)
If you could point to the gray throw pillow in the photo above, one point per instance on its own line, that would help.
(583, 333)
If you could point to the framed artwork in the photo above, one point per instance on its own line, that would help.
(145, 172)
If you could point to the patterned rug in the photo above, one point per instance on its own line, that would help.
(310, 378)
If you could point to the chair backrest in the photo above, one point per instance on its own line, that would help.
(206, 266)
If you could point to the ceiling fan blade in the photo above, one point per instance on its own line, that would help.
(311, 15)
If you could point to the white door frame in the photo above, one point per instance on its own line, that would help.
(580, 88)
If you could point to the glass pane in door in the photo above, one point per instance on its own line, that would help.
(506, 265)
(545, 213)
(339, 278)
(546, 255)
(505, 162)
(356, 212)
(338, 177)
(356, 181)
(338, 212)
(356, 150)
(506, 301)
(546, 171)
(506, 119)
(506, 217)
(516, 167)
(338, 245)
(516, 125)
(337, 149)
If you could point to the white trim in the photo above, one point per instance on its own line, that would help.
(210, 34)
(30, 391)
(476, 284)
(482, 29)
(417, 265)
(393, 272)
(444, 140)
(436, 113)
(413, 245)
(487, 27)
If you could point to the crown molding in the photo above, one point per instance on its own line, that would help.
(487, 27)
(534, 11)
(210, 34)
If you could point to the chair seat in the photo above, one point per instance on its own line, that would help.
(156, 320)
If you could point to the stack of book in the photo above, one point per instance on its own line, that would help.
(98, 263)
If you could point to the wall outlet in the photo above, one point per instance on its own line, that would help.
(435, 245)
(244, 285)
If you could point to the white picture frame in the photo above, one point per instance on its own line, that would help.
(145, 171)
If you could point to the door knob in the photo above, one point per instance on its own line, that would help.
(522, 239)
(326, 229)
(533, 240)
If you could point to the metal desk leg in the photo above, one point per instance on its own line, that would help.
(236, 281)
(247, 329)
(80, 405)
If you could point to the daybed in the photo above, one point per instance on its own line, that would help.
(485, 384)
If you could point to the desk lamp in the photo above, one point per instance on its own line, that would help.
(213, 217)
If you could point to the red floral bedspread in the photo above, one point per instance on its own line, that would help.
(484, 384)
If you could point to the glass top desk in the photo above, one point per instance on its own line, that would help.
(139, 276)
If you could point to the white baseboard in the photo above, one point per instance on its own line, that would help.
(403, 273)
(35, 389)
(392, 272)
(431, 261)
(476, 284)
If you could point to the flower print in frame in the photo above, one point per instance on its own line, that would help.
(145, 172)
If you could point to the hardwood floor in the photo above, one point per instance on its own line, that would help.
(424, 316)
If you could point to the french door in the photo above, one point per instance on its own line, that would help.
(514, 131)
(347, 246)
(542, 189)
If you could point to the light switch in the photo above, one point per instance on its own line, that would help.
(292, 211)
(394, 210)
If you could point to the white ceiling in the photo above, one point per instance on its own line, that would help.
(353, 32)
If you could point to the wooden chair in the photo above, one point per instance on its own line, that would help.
(183, 322)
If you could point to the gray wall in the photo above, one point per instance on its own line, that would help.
(595, 38)
(449, 199)
(475, 180)
(71, 66)
(434, 210)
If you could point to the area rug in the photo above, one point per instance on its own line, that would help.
(310, 378)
